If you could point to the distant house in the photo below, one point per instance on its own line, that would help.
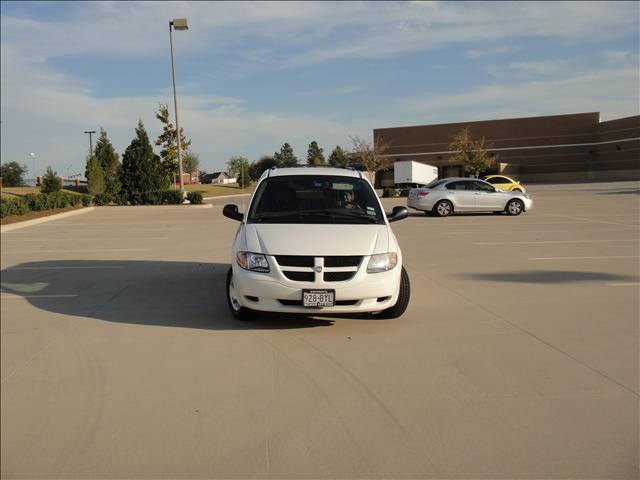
(218, 178)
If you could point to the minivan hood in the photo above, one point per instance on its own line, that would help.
(316, 239)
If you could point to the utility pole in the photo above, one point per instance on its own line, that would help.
(90, 132)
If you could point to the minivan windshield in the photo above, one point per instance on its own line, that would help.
(315, 199)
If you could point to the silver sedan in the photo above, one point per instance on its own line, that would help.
(450, 195)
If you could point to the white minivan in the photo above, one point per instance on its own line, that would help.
(316, 241)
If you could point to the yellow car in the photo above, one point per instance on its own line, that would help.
(504, 183)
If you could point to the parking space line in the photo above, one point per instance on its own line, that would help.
(595, 221)
(89, 238)
(11, 295)
(79, 251)
(88, 267)
(533, 242)
(583, 258)
(623, 284)
(470, 232)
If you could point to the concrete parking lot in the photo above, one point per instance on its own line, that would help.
(517, 357)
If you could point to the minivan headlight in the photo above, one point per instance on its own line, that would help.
(256, 262)
(382, 262)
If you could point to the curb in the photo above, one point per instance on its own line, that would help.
(36, 221)
(227, 196)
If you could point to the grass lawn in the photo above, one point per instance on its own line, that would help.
(209, 190)
(21, 191)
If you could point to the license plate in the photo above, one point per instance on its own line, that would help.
(318, 298)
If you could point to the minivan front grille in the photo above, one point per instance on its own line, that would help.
(342, 261)
(299, 276)
(299, 268)
(338, 276)
(294, 260)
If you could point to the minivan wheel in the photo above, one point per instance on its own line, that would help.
(514, 207)
(403, 298)
(237, 310)
(443, 208)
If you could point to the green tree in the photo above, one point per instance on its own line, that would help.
(285, 157)
(142, 171)
(12, 174)
(257, 168)
(110, 162)
(239, 167)
(201, 175)
(315, 156)
(338, 158)
(470, 153)
(95, 175)
(190, 161)
(167, 140)
(51, 181)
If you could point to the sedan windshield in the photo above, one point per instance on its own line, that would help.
(315, 199)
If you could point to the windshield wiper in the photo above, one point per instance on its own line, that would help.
(280, 217)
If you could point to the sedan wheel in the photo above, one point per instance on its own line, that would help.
(443, 208)
(514, 207)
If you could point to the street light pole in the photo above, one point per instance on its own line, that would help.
(178, 24)
(90, 132)
(35, 177)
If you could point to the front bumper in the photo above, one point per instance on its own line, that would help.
(273, 292)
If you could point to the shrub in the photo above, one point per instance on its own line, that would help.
(195, 198)
(102, 199)
(86, 199)
(151, 198)
(58, 200)
(390, 192)
(37, 202)
(172, 197)
(74, 200)
(12, 206)
(404, 192)
(122, 199)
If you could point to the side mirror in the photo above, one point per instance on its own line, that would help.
(398, 213)
(231, 211)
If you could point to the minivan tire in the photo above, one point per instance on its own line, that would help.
(238, 311)
(403, 298)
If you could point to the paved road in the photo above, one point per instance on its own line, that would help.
(518, 355)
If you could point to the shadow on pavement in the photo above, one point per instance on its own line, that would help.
(159, 293)
(549, 276)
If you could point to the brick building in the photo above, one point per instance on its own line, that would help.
(557, 147)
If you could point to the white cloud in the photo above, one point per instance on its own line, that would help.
(476, 53)
(613, 92)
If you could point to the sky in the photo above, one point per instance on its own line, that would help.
(252, 76)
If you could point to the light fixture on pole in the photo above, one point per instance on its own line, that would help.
(178, 24)
(90, 132)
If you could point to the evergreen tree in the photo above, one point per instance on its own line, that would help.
(51, 181)
(95, 175)
(167, 140)
(315, 155)
(339, 158)
(142, 170)
(110, 163)
(285, 157)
